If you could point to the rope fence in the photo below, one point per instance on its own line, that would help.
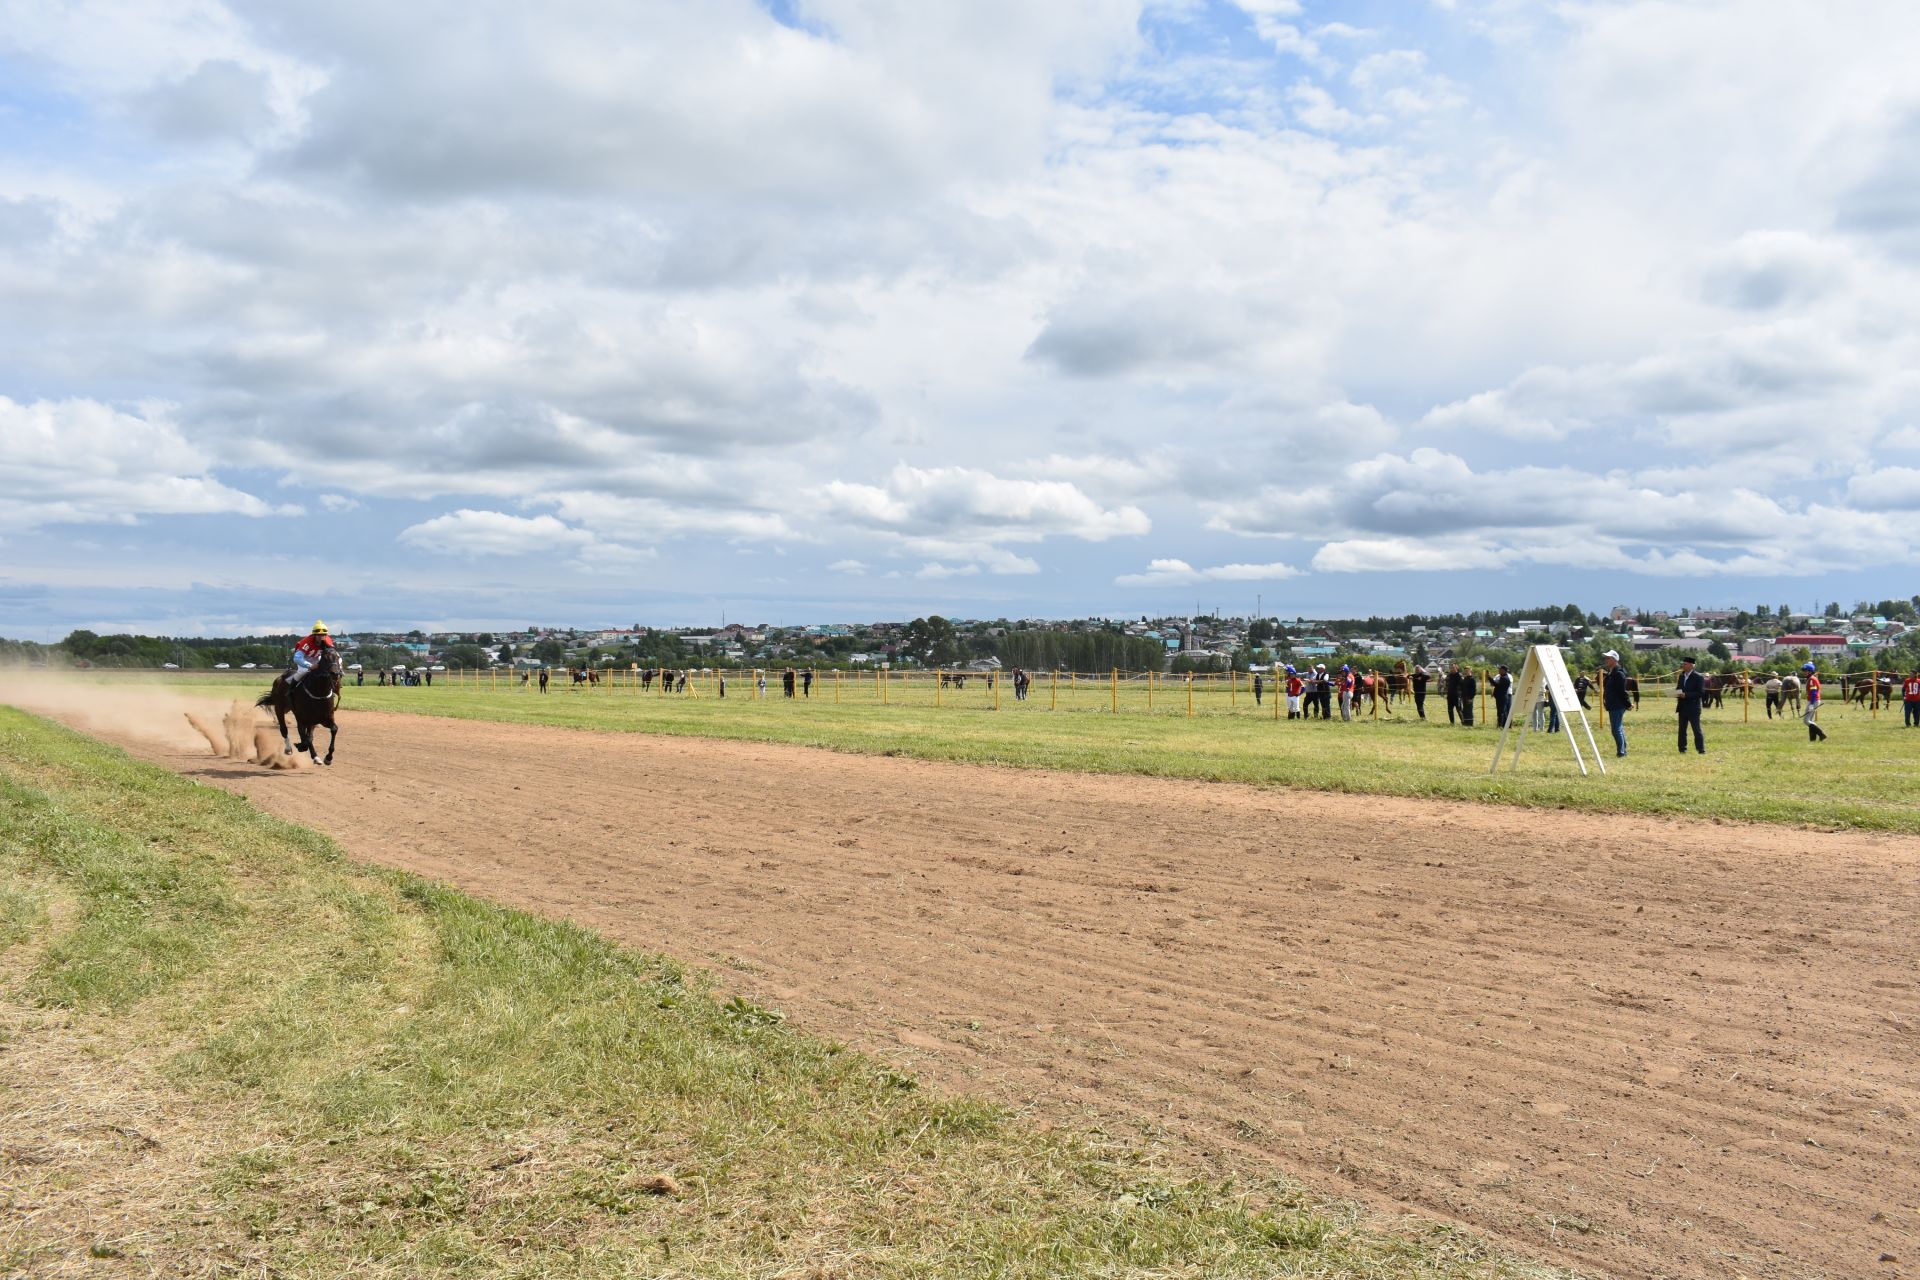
(1122, 692)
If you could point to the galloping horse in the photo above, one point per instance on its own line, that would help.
(312, 703)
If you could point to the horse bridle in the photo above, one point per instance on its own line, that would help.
(333, 669)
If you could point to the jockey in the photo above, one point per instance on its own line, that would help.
(309, 653)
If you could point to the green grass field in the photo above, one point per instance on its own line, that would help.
(1759, 770)
(383, 1077)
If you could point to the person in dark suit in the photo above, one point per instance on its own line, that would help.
(1420, 691)
(1451, 687)
(1502, 696)
(1689, 694)
(1469, 690)
(1615, 698)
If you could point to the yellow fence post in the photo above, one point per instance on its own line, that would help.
(1233, 688)
(1189, 695)
(1115, 676)
(1276, 688)
(996, 679)
(1149, 690)
(1746, 699)
(939, 682)
(885, 676)
(1053, 703)
(1483, 695)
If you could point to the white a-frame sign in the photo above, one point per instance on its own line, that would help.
(1544, 679)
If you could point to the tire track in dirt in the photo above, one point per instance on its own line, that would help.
(1633, 1046)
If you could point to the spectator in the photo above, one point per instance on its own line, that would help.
(721, 681)
(1812, 714)
(1911, 690)
(760, 682)
(1452, 689)
(1689, 694)
(1469, 690)
(1502, 696)
(543, 679)
(1295, 687)
(1256, 688)
(806, 683)
(1326, 692)
(1420, 691)
(786, 682)
(1581, 687)
(1616, 700)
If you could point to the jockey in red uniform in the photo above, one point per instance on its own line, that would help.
(309, 653)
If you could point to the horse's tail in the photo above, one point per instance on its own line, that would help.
(266, 699)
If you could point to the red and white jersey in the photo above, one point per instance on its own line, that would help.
(1912, 688)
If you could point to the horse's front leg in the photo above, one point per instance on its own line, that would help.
(286, 743)
(333, 735)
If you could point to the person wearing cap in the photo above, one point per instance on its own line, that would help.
(1615, 698)
(1689, 695)
(1502, 696)
(1911, 695)
(1420, 691)
(1812, 714)
(1294, 687)
(309, 652)
(1346, 691)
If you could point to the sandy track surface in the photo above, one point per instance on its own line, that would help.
(1637, 1047)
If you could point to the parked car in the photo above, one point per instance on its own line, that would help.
(223, 666)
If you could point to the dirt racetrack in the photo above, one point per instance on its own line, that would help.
(1638, 1047)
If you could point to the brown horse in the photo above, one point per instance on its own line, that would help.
(311, 702)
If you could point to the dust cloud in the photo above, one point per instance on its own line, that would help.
(232, 729)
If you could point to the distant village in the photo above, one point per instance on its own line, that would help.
(1883, 635)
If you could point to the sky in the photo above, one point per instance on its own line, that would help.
(477, 314)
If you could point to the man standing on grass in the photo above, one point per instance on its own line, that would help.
(806, 683)
(1502, 697)
(1420, 691)
(1346, 692)
(1294, 687)
(1256, 688)
(1469, 690)
(1812, 714)
(1911, 689)
(1451, 687)
(1614, 697)
(1689, 693)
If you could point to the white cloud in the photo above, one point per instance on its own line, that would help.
(472, 533)
(495, 533)
(1174, 573)
(84, 462)
(853, 568)
(971, 504)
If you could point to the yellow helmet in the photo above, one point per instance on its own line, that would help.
(320, 629)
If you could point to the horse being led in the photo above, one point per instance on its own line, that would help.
(311, 703)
